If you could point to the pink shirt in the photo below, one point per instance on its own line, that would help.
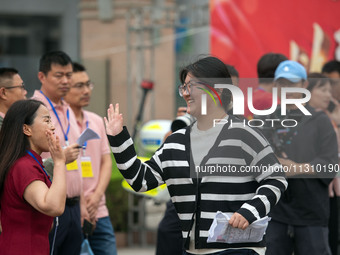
(2, 114)
(73, 178)
(95, 149)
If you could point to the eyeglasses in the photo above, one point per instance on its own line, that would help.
(82, 85)
(22, 86)
(187, 87)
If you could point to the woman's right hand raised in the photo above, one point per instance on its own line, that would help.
(114, 120)
(55, 149)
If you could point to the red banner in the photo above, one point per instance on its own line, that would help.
(307, 31)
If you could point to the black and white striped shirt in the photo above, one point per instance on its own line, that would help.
(250, 193)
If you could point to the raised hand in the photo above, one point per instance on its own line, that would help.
(55, 149)
(114, 120)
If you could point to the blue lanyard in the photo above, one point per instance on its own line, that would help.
(87, 125)
(31, 154)
(57, 218)
(56, 114)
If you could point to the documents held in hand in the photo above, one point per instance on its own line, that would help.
(221, 231)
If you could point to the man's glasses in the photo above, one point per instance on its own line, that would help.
(22, 86)
(82, 85)
(187, 87)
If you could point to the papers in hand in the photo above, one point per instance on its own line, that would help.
(221, 231)
(87, 134)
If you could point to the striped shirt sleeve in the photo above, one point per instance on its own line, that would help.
(142, 176)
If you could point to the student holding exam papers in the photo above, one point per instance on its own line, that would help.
(191, 161)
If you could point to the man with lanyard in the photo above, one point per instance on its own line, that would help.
(55, 72)
(96, 163)
(12, 89)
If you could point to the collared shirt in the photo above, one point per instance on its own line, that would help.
(73, 178)
(95, 148)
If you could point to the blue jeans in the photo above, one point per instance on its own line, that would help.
(231, 252)
(103, 240)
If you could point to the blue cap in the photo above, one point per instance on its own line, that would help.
(290, 70)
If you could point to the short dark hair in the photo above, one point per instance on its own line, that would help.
(14, 142)
(78, 67)
(316, 80)
(267, 65)
(53, 57)
(208, 69)
(6, 74)
(331, 66)
(232, 70)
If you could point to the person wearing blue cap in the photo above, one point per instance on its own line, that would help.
(290, 70)
(307, 153)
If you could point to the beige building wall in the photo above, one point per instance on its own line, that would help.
(105, 53)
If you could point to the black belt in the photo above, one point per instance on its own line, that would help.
(71, 201)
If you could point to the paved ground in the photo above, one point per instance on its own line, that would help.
(137, 251)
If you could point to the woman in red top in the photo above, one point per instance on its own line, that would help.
(29, 200)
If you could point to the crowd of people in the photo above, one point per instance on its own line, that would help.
(300, 220)
(42, 177)
(51, 187)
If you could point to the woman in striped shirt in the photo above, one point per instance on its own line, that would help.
(216, 164)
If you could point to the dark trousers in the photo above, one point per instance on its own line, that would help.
(69, 233)
(334, 225)
(169, 234)
(283, 239)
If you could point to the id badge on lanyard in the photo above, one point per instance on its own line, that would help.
(72, 166)
(86, 167)
(86, 164)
